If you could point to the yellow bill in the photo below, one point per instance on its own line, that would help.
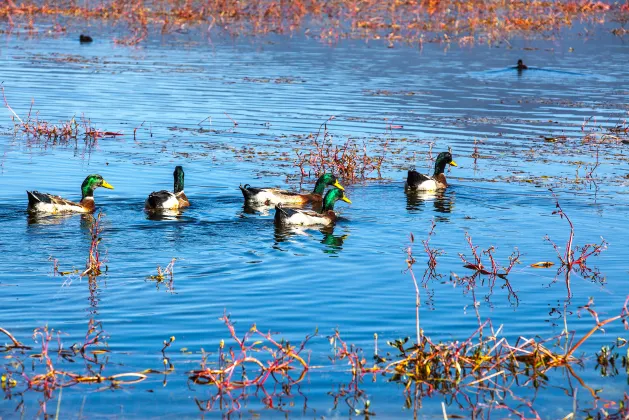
(107, 185)
(453, 163)
(347, 200)
(339, 186)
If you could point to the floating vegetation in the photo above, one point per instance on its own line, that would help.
(485, 365)
(63, 132)
(250, 365)
(568, 260)
(416, 21)
(349, 161)
(166, 276)
(44, 375)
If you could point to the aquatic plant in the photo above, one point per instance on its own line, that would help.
(62, 132)
(46, 377)
(484, 364)
(416, 21)
(165, 273)
(478, 266)
(574, 258)
(94, 262)
(266, 358)
(347, 160)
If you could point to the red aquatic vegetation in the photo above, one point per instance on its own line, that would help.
(574, 257)
(348, 160)
(267, 358)
(413, 21)
(64, 131)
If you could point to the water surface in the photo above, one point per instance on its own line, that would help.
(352, 277)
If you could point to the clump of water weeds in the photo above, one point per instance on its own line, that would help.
(575, 258)
(62, 132)
(348, 160)
(250, 365)
(484, 367)
(44, 375)
(165, 275)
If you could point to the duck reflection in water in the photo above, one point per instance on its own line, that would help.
(442, 201)
(50, 219)
(262, 210)
(333, 243)
(165, 214)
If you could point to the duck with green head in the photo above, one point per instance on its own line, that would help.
(271, 196)
(169, 200)
(286, 216)
(420, 182)
(48, 203)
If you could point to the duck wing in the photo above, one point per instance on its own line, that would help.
(39, 201)
(270, 196)
(415, 179)
(288, 216)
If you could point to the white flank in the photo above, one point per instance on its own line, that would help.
(266, 197)
(428, 185)
(305, 219)
(57, 208)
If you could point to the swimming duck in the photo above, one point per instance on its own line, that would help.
(48, 203)
(270, 196)
(166, 200)
(521, 65)
(420, 182)
(286, 216)
(85, 39)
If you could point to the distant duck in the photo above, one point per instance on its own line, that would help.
(521, 65)
(48, 203)
(287, 216)
(272, 196)
(85, 39)
(420, 182)
(167, 200)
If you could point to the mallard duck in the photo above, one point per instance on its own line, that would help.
(48, 203)
(420, 182)
(286, 216)
(521, 65)
(271, 196)
(166, 200)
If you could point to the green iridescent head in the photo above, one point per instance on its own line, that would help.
(178, 174)
(91, 183)
(332, 197)
(443, 159)
(323, 181)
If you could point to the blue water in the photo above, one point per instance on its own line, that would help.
(353, 277)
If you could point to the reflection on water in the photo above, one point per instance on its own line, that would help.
(262, 210)
(442, 201)
(333, 243)
(48, 219)
(86, 219)
(165, 214)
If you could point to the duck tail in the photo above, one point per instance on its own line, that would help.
(152, 202)
(35, 197)
(245, 191)
(280, 214)
(413, 179)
